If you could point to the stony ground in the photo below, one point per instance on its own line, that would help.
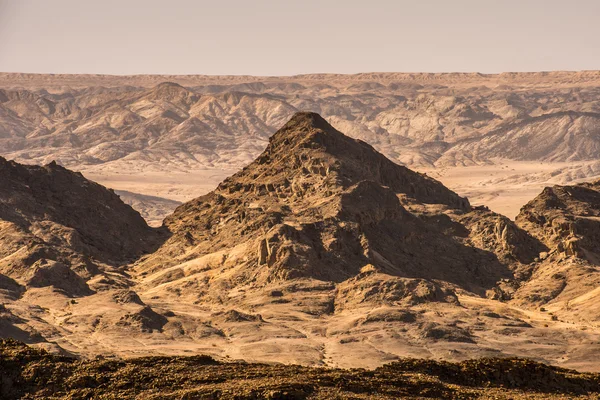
(35, 374)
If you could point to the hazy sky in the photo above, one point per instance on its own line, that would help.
(285, 37)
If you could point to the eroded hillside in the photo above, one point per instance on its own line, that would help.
(495, 138)
(320, 252)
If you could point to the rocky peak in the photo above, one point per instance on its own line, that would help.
(310, 149)
(173, 93)
(566, 219)
(318, 204)
(52, 212)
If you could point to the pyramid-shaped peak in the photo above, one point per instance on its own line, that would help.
(171, 89)
(311, 205)
(309, 130)
(309, 151)
(172, 85)
(307, 120)
(173, 93)
(304, 122)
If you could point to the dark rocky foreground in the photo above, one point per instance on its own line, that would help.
(31, 373)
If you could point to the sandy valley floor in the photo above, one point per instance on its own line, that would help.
(504, 186)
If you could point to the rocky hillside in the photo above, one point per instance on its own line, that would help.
(320, 252)
(566, 278)
(58, 228)
(318, 204)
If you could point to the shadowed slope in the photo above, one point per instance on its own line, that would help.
(51, 213)
(318, 204)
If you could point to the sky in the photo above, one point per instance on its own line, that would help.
(288, 37)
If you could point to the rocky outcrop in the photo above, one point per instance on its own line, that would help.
(63, 208)
(318, 204)
(514, 246)
(566, 218)
(51, 273)
(372, 289)
(58, 229)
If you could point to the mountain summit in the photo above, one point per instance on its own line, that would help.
(308, 145)
(317, 204)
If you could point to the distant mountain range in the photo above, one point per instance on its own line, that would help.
(190, 122)
(521, 131)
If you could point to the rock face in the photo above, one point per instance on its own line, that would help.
(54, 221)
(567, 220)
(503, 237)
(318, 204)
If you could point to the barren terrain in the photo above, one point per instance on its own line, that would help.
(498, 139)
(320, 252)
(285, 240)
(35, 374)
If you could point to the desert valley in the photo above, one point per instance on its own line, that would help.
(497, 139)
(338, 221)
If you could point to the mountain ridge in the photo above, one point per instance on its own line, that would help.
(439, 124)
(319, 252)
